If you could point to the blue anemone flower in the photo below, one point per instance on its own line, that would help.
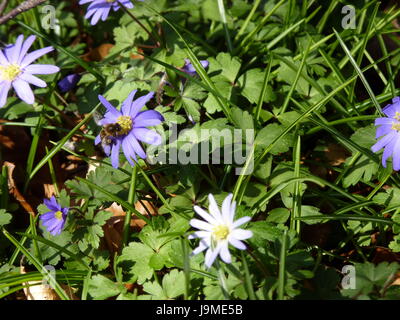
(101, 8)
(54, 220)
(69, 82)
(132, 128)
(189, 68)
(389, 129)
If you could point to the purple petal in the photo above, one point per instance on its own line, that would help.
(126, 105)
(25, 47)
(147, 136)
(96, 17)
(97, 140)
(114, 112)
(29, 58)
(42, 69)
(136, 145)
(396, 154)
(148, 118)
(383, 130)
(3, 59)
(139, 103)
(383, 142)
(380, 121)
(32, 80)
(388, 151)
(13, 53)
(129, 152)
(115, 154)
(23, 91)
(4, 88)
(47, 216)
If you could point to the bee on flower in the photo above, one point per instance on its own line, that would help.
(127, 128)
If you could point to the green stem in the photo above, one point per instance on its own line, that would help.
(131, 200)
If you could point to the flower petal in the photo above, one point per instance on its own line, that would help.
(198, 224)
(29, 58)
(224, 253)
(110, 108)
(226, 209)
(237, 243)
(240, 221)
(127, 104)
(213, 208)
(136, 145)
(23, 91)
(383, 142)
(396, 154)
(241, 234)
(388, 151)
(41, 69)
(147, 136)
(148, 118)
(25, 47)
(205, 215)
(32, 80)
(4, 88)
(139, 103)
(210, 256)
(115, 154)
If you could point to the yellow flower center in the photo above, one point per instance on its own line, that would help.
(396, 126)
(220, 232)
(397, 116)
(10, 72)
(58, 215)
(125, 123)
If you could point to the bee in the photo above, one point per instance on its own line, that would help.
(108, 134)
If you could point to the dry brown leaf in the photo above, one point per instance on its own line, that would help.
(113, 229)
(98, 53)
(336, 154)
(38, 290)
(14, 190)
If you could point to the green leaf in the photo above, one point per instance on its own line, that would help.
(269, 133)
(5, 218)
(101, 288)
(251, 83)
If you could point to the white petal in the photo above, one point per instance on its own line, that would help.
(205, 215)
(213, 207)
(232, 211)
(198, 224)
(199, 249)
(210, 256)
(236, 243)
(241, 234)
(240, 221)
(224, 253)
(226, 209)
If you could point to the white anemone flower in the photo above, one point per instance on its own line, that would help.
(218, 230)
